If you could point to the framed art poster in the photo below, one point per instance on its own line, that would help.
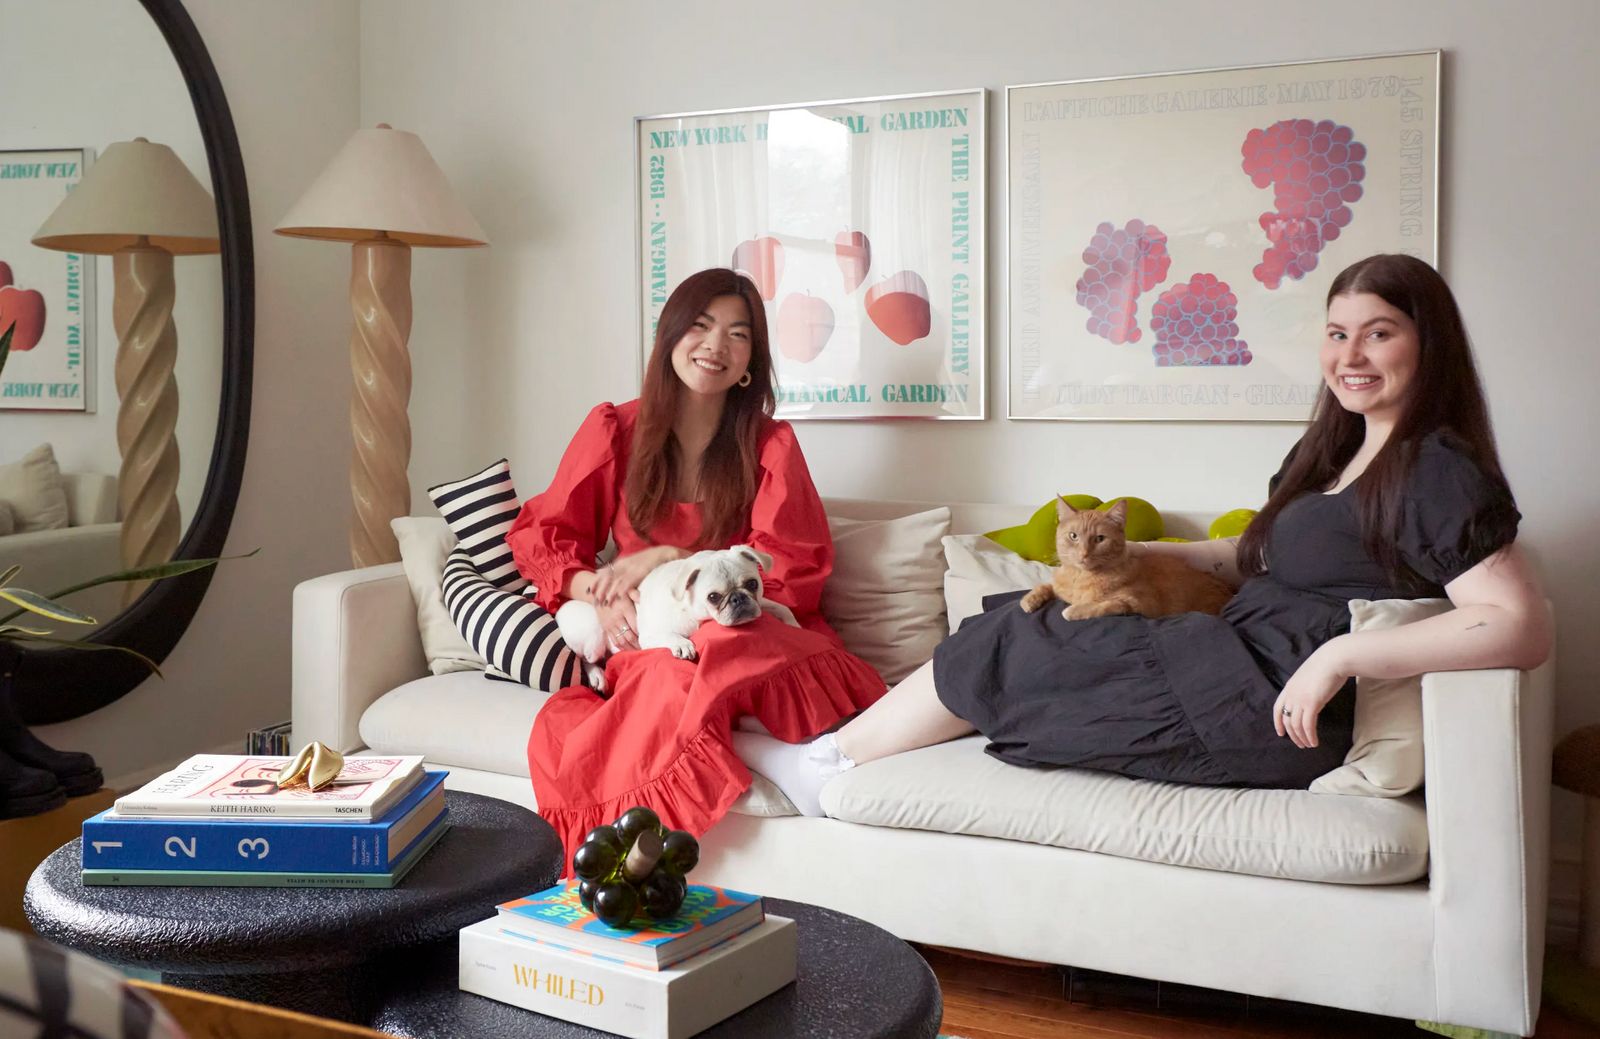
(47, 297)
(1172, 237)
(862, 225)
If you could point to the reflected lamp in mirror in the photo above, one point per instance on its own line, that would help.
(142, 206)
(383, 193)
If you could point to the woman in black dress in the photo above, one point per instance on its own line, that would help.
(1395, 491)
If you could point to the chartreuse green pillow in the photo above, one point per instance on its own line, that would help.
(1231, 524)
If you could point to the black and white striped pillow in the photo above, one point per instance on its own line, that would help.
(516, 636)
(480, 510)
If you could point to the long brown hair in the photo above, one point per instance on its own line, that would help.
(728, 469)
(1445, 394)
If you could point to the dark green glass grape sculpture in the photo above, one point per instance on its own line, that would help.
(635, 865)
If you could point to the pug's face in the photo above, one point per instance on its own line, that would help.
(725, 586)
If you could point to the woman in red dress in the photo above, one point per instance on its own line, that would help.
(696, 462)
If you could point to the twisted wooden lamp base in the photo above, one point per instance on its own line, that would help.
(147, 487)
(380, 296)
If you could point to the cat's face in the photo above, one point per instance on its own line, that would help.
(1089, 539)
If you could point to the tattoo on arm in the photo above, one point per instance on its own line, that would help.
(1216, 568)
(1480, 624)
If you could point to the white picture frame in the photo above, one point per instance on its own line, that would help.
(863, 224)
(1123, 193)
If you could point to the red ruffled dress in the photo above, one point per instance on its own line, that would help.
(662, 737)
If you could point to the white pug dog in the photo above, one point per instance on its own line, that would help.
(721, 585)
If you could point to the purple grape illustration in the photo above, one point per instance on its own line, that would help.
(1122, 264)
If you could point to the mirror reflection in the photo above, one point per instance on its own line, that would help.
(110, 282)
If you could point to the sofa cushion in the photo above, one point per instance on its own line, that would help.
(518, 638)
(977, 567)
(1385, 758)
(33, 487)
(424, 542)
(489, 723)
(1294, 834)
(885, 596)
(480, 510)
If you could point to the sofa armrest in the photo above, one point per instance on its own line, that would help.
(1488, 737)
(355, 638)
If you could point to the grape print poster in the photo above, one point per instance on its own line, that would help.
(861, 224)
(1171, 238)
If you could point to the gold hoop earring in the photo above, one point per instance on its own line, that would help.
(746, 379)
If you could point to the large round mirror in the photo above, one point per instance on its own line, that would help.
(126, 279)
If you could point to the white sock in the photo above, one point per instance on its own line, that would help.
(800, 770)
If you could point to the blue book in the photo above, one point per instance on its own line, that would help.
(264, 844)
(245, 878)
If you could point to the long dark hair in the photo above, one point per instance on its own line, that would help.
(728, 469)
(1445, 394)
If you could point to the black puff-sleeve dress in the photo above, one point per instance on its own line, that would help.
(1189, 698)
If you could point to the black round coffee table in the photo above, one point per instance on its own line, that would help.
(853, 980)
(316, 950)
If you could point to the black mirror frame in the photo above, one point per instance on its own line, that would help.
(56, 685)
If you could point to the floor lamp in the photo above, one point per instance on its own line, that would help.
(384, 193)
(140, 204)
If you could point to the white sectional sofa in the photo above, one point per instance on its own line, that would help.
(87, 547)
(1415, 909)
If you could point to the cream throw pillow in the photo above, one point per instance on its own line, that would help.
(885, 596)
(425, 541)
(1385, 760)
(980, 567)
(8, 519)
(33, 489)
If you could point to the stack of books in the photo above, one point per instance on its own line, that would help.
(665, 979)
(220, 820)
(273, 740)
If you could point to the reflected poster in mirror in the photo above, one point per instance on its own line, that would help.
(862, 225)
(47, 299)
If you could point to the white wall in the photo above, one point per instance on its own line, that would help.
(290, 73)
(98, 72)
(528, 108)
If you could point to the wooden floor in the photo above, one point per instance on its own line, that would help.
(990, 999)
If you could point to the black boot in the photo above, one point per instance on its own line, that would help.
(27, 791)
(76, 772)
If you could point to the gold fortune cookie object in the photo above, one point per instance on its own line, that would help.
(317, 765)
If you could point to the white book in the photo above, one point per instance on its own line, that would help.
(631, 1001)
(223, 786)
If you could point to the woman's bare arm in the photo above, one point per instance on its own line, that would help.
(1218, 557)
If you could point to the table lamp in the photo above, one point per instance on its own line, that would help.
(140, 204)
(384, 193)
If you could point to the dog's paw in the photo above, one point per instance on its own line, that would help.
(683, 649)
(596, 673)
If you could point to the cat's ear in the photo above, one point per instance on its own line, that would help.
(1064, 509)
(1119, 512)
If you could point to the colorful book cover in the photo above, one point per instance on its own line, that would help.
(667, 1004)
(271, 845)
(238, 785)
(237, 878)
(709, 914)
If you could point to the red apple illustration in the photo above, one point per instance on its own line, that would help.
(854, 253)
(25, 309)
(5, 274)
(898, 305)
(762, 259)
(805, 324)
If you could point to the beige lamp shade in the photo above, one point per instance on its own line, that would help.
(137, 190)
(383, 180)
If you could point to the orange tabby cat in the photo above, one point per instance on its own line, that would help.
(1100, 578)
